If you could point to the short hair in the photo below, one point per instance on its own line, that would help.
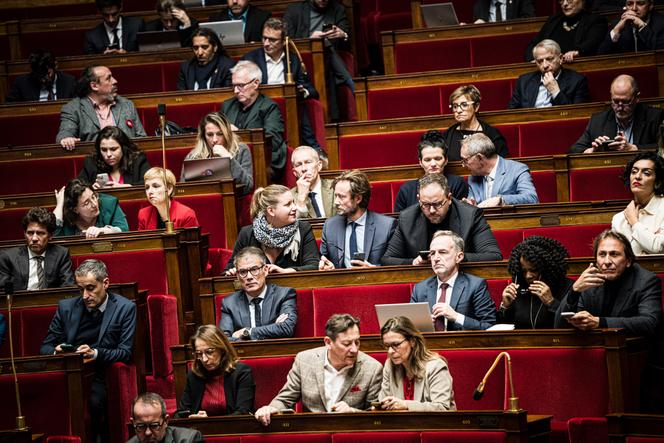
(277, 24)
(265, 197)
(470, 91)
(631, 80)
(232, 140)
(130, 151)
(250, 251)
(548, 256)
(41, 60)
(149, 398)
(41, 216)
(92, 266)
(610, 233)
(359, 185)
(73, 191)
(212, 38)
(214, 337)
(419, 355)
(549, 45)
(88, 76)
(101, 4)
(658, 169)
(249, 67)
(431, 139)
(157, 172)
(339, 323)
(479, 143)
(459, 244)
(433, 178)
(167, 5)
(305, 148)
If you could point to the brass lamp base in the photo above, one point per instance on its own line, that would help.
(513, 404)
(20, 423)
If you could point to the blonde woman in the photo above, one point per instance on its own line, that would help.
(159, 189)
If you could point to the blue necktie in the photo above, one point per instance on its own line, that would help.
(314, 203)
(352, 244)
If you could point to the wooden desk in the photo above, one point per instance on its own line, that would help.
(622, 426)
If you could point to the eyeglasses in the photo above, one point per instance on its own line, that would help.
(89, 202)
(433, 205)
(465, 160)
(242, 86)
(209, 352)
(623, 103)
(142, 427)
(463, 106)
(394, 346)
(254, 270)
(549, 59)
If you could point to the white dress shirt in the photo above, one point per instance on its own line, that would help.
(33, 280)
(109, 32)
(334, 381)
(275, 70)
(448, 297)
(646, 235)
(544, 98)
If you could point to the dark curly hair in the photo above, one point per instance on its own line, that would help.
(547, 255)
(659, 169)
(41, 216)
(73, 191)
(130, 152)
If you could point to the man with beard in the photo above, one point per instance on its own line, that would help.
(356, 236)
(44, 82)
(210, 67)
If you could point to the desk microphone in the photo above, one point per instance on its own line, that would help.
(20, 418)
(479, 391)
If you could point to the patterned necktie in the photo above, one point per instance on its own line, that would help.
(257, 311)
(116, 38)
(440, 321)
(41, 277)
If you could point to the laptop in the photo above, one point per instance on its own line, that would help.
(158, 40)
(215, 168)
(229, 32)
(436, 15)
(418, 313)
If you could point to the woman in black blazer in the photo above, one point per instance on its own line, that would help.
(217, 384)
(118, 157)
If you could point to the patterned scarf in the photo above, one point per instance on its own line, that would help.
(272, 237)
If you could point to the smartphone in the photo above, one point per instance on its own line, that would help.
(67, 347)
(604, 146)
(376, 404)
(114, 46)
(287, 411)
(424, 255)
(358, 256)
(567, 314)
(523, 286)
(327, 27)
(102, 179)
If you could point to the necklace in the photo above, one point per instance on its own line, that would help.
(568, 28)
(533, 323)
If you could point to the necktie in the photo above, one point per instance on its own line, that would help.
(312, 198)
(352, 243)
(489, 186)
(440, 321)
(257, 311)
(499, 12)
(51, 96)
(116, 39)
(41, 277)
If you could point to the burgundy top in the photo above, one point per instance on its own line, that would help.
(408, 388)
(214, 397)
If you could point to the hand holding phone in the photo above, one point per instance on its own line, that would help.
(567, 314)
(102, 179)
(424, 255)
(67, 347)
(327, 27)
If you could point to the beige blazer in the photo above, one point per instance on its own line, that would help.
(433, 393)
(306, 382)
(328, 201)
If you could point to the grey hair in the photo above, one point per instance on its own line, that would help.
(95, 267)
(306, 148)
(548, 44)
(458, 241)
(250, 68)
(479, 143)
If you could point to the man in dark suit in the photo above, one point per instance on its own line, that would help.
(210, 67)
(500, 10)
(251, 109)
(150, 421)
(552, 85)
(259, 310)
(639, 28)
(252, 17)
(116, 34)
(173, 17)
(44, 82)
(355, 229)
(310, 188)
(98, 325)
(627, 126)
(438, 210)
(40, 265)
(614, 292)
(458, 301)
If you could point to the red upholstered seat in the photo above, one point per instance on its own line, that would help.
(62, 43)
(223, 439)
(305, 313)
(484, 53)
(63, 439)
(588, 430)
(467, 369)
(405, 102)
(552, 137)
(597, 184)
(376, 437)
(269, 375)
(421, 56)
(629, 439)
(463, 437)
(507, 239)
(577, 239)
(30, 326)
(382, 196)
(19, 131)
(496, 288)
(511, 134)
(495, 94)
(37, 175)
(545, 184)
(366, 151)
(184, 115)
(163, 327)
(174, 158)
(140, 79)
(122, 379)
(599, 82)
(287, 438)
(217, 259)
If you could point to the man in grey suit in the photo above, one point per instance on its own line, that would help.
(98, 105)
(259, 310)
(458, 301)
(313, 195)
(437, 210)
(494, 181)
(337, 377)
(150, 422)
(39, 265)
(356, 236)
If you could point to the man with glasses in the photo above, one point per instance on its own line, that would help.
(438, 210)
(495, 181)
(627, 126)
(251, 109)
(551, 85)
(259, 310)
(458, 301)
(639, 28)
(150, 421)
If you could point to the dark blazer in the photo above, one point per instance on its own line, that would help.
(407, 195)
(26, 88)
(649, 38)
(116, 336)
(589, 34)
(221, 76)
(470, 297)
(15, 266)
(573, 89)
(645, 128)
(638, 306)
(258, 56)
(377, 232)
(298, 17)
(453, 139)
(307, 259)
(185, 34)
(133, 176)
(515, 9)
(96, 40)
(253, 28)
(278, 300)
(239, 391)
(530, 313)
(410, 236)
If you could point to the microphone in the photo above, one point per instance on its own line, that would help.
(161, 110)
(20, 418)
(479, 391)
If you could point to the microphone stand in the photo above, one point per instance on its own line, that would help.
(289, 74)
(513, 402)
(161, 110)
(20, 419)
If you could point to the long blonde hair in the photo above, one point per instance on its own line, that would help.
(201, 149)
(264, 198)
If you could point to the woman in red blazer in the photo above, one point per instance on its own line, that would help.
(159, 188)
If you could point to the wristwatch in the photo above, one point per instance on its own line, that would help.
(246, 334)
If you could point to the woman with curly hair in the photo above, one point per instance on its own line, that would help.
(118, 157)
(642, 221)
(539, 270)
